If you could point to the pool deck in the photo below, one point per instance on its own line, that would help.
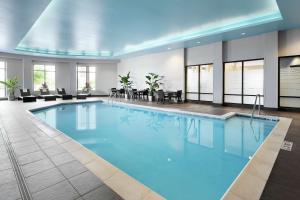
(55, 167)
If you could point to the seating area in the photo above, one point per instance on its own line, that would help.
(159, 96)
(26, 95)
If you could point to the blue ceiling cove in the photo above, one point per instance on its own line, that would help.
(114, 28)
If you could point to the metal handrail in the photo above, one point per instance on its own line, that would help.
(254, 106)
(111, 96)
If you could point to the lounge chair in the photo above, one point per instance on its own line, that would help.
(145, 94)
(113, 92)
(61, 93)
(26, 96)
(45, 94)
(84, 94)
(178, 95)
(121, 93)
(160, 96)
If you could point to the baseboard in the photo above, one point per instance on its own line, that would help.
(96, 95)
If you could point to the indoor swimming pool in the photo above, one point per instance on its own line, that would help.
(179, 156)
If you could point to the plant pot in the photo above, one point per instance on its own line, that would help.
(11, 97)
(150, 98)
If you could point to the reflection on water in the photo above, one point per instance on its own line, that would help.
(86, 117)
(49, 117)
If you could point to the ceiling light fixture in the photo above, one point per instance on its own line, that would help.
(169, 48)
(243, 33)
(198, 42)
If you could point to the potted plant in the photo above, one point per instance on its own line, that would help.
(44, 86)
(153, 81)
(87, 88)
(126, 83)
(11, 85)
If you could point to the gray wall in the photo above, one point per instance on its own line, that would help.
(262, 46)
(289, 42)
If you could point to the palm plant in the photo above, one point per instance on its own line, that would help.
(126, 82)
(153, 81)
(11, 85)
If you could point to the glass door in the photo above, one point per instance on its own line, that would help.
(199, 82)
(243, 80)
(192, 82)
(289, 84)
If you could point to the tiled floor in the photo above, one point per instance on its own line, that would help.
(53, 173)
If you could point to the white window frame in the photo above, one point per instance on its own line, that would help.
(44, 71)
(87, 74)
(5, 78)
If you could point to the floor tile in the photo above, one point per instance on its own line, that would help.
(60, 191)
(18, 138)
(47, 144)
(9, 191)
(85, 182)
(101, 193)
(54, 150)
(26, 149)
(72, 168)
(36, 167)
(279, 192)
(5, 164)
(7, 176)
(23, 143)
(44, 179)
(43, 138)
(62, 158)
(31, 157)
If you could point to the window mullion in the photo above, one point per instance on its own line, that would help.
(243, 82)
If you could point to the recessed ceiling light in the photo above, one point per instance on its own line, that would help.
(243, 33)
(169, 48)
(198, 42)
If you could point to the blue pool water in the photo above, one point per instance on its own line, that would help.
(181, 157)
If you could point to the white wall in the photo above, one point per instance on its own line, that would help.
(22, 67)
(169, 64)
(14, 69)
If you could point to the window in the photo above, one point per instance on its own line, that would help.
(43, 74)
(86, 74)
(289, 71)
(199, 82)
(243, 81)
(2, 78)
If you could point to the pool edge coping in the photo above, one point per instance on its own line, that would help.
(233, 190)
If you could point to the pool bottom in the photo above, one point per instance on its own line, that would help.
(107, 172)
